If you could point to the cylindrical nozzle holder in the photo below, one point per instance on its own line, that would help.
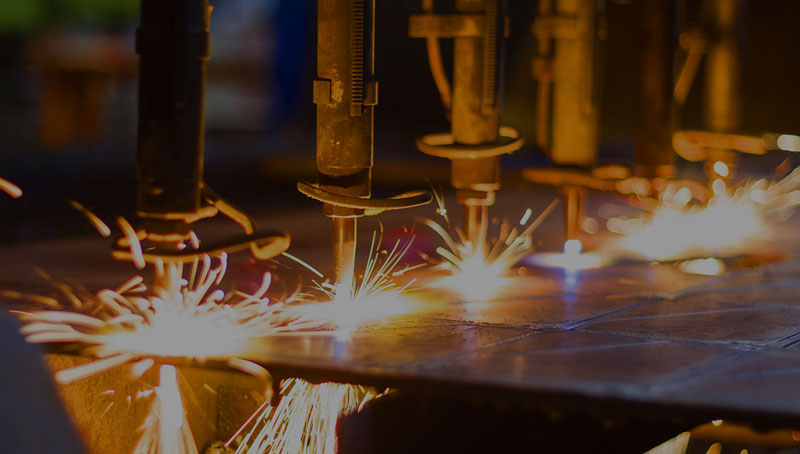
(574, 198)
(576, 86)
(343, 239)
(345, 92)
(173, 45)
(473, 121)
(722, 82)
(722, 68)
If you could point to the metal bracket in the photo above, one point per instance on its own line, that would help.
(370, 93)
(322, 92)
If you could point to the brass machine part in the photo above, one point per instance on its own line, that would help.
(568, 34)
(657, 43)
(695, 145)
(573, 183)
(722, 83)
(173, 42)
(566, 67)
(345, 92)
(717, 41)
(476, 139)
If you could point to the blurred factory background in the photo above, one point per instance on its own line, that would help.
(68, 99)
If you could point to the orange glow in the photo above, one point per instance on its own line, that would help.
(304, 419)
(705, 267)
(96, 222)
(375, 296)
(572, 259)
(130, 326)
(479, 271)
(732, 221)
(165, 429)
(10, 188)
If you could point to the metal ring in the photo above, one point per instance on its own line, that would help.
(443, 145)
(370, 206)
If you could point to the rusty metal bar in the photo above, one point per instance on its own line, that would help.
(657, 42)
(173, 45)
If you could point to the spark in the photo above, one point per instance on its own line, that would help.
(129, 326)
(133, 241)
(721, 169)
(705, 267)
(93, 219)
(571, 259)
(303, 263)
(165, 429)
(731, 221)
(303, 421)
(377, 295)
(184, 319)
(788, 142)
(10, 188)
(441, 209)
(478, 271)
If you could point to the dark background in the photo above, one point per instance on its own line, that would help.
(68, 99)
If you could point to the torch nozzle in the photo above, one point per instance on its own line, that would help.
(476, 224)
(344, 253)
(573, 210)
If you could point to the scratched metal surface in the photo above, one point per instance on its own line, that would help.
(629, 333)
(729, 344)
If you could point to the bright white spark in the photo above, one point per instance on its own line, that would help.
(165, 429)
(304, 419)
(479, 271)
(571, 259)
(10, 188)
(730, 222)
(706, 267)
(184, 319)
(376, 295)
(96, 222)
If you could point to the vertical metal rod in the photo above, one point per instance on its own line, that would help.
(545, 80)
(476, 224)
(722, 84)
(722, 81)
(575, 90)
(173, 46)
(573, 210)
(657, 41)
(344, 250)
